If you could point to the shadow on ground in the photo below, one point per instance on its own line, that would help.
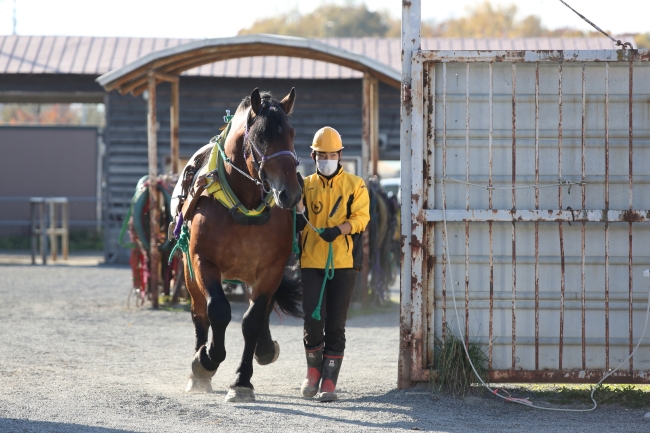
(29, 426)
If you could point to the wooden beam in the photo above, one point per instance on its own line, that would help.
(174, 116)
(154, 254)
(374, 127)
(161, 76)
(370, 125)
(135, 81)
(366, 137)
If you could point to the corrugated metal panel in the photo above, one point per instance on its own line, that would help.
(98, 55)
(547, 277)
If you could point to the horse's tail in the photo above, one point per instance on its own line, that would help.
(289, 294)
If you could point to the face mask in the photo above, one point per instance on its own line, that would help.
(327, 167)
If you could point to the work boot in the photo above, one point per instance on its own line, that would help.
(331, 366)
(314, 361)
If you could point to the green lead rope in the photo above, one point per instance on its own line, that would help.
(183, 243)
(329, 274)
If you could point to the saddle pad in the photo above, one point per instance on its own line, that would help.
(178, 189)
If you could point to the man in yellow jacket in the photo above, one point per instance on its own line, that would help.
(338, 203)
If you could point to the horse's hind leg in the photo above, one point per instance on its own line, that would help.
(211, 312)
(252, 325)
(267, 350)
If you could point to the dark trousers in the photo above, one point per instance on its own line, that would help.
(334, 307)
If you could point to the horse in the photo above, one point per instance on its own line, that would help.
(259, 158)
(383, 239)
(136, 223)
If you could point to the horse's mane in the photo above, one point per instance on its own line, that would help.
(270, 125)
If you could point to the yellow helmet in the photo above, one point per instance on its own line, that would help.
(327, 139)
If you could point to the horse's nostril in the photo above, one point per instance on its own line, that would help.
(283, 196)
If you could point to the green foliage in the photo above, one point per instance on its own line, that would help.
(52, 114)
(454, 372)
(86, 240)
(330, 20)
(353, 19)
(79, 240)
(14, 243)
(632, 396)
(642, 40)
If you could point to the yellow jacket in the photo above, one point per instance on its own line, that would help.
(329, 203)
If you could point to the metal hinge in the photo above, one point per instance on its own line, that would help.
(406, 93)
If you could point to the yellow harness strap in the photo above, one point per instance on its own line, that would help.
(219, 188)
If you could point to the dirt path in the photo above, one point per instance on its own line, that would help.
(74, 359)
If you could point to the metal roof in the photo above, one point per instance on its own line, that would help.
(99, 55)
(176, 60)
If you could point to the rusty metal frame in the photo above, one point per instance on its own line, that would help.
(418, 129)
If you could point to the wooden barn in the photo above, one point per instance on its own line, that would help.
(62, 69)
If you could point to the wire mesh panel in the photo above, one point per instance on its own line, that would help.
(536, 161)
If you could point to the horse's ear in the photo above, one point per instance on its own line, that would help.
(287, 102)
(256, 101)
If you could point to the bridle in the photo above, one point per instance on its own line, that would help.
(264, 182)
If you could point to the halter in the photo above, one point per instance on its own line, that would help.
(264, 158)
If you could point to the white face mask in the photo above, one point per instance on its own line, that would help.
(327, 167)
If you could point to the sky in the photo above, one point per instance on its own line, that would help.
(221, 18)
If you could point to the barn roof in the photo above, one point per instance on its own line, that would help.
(176, 60)
(99, 55)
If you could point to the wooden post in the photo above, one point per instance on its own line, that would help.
(174, 118)
(154, 254)
(65, 230)
(43, 232)
(365, 124)
(374, 127)
(369, 159)
(52, 230)
(370, 125)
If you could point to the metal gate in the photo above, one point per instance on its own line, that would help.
(537, 160)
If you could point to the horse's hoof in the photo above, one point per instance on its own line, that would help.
(240, 394)
(269, 359)
(195, 385)
(198, 370)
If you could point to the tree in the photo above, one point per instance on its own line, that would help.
(353, 19)
(52, 114)
(642, 40)
(350, 20)
(488, 21)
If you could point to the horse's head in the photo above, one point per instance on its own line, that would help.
(268, 139)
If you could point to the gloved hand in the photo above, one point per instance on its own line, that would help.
(329, 234)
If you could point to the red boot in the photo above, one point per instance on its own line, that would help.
(314, 361)
(331, 366)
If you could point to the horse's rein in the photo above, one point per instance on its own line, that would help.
(263, 157)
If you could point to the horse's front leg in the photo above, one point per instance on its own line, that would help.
(209, 307)
(267, 350)
(252, 326)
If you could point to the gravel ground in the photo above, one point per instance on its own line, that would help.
(73, 358)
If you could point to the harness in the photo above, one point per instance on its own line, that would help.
(211, 181)
(218, 187)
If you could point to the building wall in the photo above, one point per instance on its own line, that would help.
(47, 162)
(203, 101)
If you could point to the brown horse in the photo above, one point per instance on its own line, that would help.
(262, 158)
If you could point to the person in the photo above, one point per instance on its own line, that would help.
(337, 203)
